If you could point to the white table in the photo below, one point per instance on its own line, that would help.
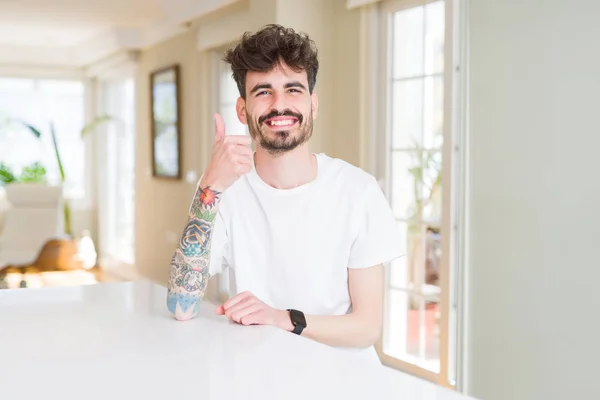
(118, 341)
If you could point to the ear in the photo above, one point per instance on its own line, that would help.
(240, 107)
(315, 104)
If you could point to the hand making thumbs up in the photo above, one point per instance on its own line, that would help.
(231, 158)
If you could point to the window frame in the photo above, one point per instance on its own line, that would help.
(452, 192)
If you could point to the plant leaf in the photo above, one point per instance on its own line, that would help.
(96, 122)
(60, 166)
(31, 128)
(6, 174)
(33, 173)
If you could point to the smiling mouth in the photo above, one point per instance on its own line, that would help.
(281, 122)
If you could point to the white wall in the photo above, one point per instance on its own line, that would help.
(534, 330)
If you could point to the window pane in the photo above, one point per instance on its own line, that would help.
(432, 188)
(405, 167)
(434, 37)
(228, 91)
(433, 254)
(407, 114)
(228, 95)
(233, 126)
(412, 333)
(166, 148)
(40, 103)
(408, 35)
(54, 87)
(165, 95)
(16, 85)
(433, 116)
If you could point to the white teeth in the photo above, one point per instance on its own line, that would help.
(282, 122)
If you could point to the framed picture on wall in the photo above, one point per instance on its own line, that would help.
(166, 126)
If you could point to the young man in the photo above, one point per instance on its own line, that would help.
(305, 235)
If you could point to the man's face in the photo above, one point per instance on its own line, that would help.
(279, 110)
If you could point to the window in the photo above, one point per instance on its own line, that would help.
(416, 330)
(228, 95)
(40, 102)
(117, 171)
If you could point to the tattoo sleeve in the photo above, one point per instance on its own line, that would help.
(189, 269)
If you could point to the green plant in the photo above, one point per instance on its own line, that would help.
(6, 174)
(427, 182)
(34, 173)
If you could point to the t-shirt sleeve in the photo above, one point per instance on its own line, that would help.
(379, 239)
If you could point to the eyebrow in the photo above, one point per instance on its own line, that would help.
(294, 84)
(261, 86)
(269, 86)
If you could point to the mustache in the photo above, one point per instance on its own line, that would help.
(284, 113)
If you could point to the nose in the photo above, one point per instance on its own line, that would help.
(278, 101)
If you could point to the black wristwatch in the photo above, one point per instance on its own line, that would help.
(298, 321)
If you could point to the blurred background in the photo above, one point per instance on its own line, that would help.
(478, 118)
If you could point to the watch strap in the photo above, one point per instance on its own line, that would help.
(298, 320)
(298, 329)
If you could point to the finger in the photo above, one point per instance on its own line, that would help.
(256, 318)
(239, 139)
(242, 168)
(220, 310)
(219, 128)
(237, 307)
(236, 299)
(244, 150)
(242, 159)
(243, 312)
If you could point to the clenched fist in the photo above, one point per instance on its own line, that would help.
(231, 158)
(247, 309)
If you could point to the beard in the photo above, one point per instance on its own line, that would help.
(277, 142)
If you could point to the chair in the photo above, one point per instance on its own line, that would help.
(35, 216)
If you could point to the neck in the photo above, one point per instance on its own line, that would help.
(287, 170)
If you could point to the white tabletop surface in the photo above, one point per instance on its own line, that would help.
(118, 341)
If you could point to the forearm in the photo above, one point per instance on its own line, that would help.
(351, 330)
(189, 270)
(360, 328)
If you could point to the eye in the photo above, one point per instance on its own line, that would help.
(264, 92)
(294, 90)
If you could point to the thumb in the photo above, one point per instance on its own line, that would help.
(219, 128)
(220, 310)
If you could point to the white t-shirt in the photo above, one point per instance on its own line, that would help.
(292, 248)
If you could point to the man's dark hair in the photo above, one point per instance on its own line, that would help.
(272, 45)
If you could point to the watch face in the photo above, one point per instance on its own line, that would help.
(297, 317)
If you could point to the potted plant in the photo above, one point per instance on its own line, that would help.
(31, 181)
(90, 127)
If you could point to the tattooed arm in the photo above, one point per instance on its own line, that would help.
(189, 272)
